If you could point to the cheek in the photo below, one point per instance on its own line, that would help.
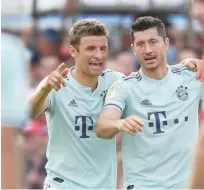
(138, 52)
(162, 55)
(105, 54)
(83, 57)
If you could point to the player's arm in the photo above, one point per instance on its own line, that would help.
(39, 100)
(107, 127)
(196, 65)
(109, 122)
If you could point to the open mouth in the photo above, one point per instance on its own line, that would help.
(150, 58)
(96, 64)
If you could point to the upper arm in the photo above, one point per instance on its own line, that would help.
(116, 98)
(110, 113)
(49, 102)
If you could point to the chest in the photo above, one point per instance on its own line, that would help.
(81, 103)
(160, 106)
(171, 95)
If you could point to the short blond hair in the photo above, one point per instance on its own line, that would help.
(86, 27)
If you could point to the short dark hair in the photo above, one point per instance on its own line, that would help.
(86, 27)
(147, 22)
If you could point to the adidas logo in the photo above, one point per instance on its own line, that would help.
(73, 104)
(146, 102)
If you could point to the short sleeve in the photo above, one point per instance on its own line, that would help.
(116, 96)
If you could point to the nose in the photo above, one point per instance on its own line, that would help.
(148, 48)
(98, 53)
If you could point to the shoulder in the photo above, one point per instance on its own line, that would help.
(107, 72)
(109, 76)
(186, 74)
(135, 76)
(112, 73)
(180, 69)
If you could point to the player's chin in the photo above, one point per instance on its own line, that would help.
(151, 65)
(97, 72)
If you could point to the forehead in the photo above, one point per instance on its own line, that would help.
(146, 35)
(94, 41)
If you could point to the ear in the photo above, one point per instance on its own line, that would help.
(166, 42)
(133, 50)
(73, 51)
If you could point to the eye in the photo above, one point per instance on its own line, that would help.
(90, 48)
(104, 48)
(139, 44)
(153, 41)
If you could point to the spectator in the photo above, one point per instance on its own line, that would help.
(48, 42)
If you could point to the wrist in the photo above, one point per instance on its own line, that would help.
(44, 86)
(118, 125)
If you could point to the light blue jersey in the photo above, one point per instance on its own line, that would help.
(14, 81)
(159, 156)
(77, 158)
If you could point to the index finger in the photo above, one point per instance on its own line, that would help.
(60, 68)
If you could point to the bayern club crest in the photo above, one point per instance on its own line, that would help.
(182, 93)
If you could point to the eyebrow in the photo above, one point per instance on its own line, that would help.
(147, 40)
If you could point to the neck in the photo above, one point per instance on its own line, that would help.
(158, 73)
(84, 79)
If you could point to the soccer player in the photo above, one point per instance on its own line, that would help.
(76, 157)
(14, 89)
(156, 108)
(198, 174)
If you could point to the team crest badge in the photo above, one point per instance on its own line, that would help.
(182, 93)
(112, 90)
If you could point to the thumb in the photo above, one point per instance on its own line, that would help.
(65, 72)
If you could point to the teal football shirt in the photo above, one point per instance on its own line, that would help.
(14, 81)
(159, 156)
(75, 154)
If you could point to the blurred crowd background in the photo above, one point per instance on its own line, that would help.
(43, 26)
